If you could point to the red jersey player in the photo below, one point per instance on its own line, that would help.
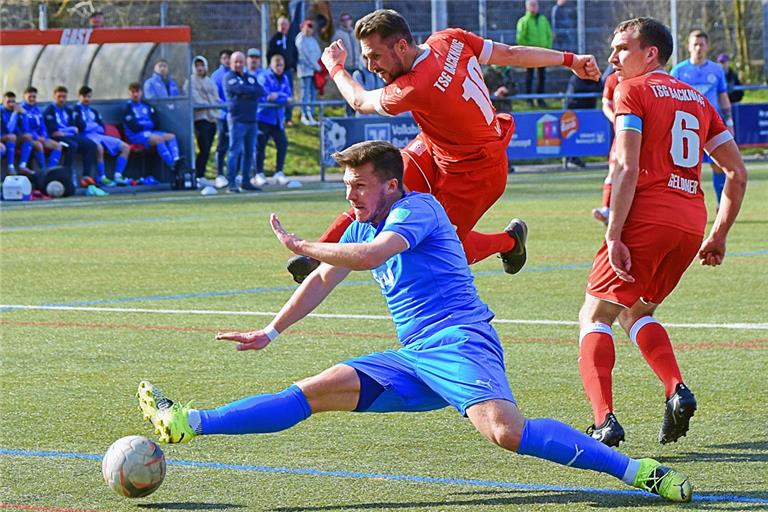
(611, 81)
(460, 154)
(656, 222)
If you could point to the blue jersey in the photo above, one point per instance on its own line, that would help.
(428, 287)
(218, 78)
(10, 120)
(708, 79)
(88, 120)
(59, 119)
(33, 122)
(137, 118)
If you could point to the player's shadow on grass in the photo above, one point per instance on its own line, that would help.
(756, 451)
(189, 506)
(509, 498)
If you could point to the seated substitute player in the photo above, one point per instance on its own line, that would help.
(34, 124)
(460, 155)
(657, 221)
(60, 125)
(139, 126)
(451, 355)
(91, 125)
(10, 118)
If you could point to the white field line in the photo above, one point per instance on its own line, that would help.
(4, 307)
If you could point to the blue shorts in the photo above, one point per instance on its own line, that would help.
(143, 137)
(459, 366)
(111, 144)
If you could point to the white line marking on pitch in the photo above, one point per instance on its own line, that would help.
(4, 307)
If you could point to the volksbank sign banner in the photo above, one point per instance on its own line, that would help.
(537, 134)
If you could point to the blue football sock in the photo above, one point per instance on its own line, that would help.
(165, 153)
(718, 182)
(26, 150)
(257, 414)
(10, 152)
(100, 167)
(54, 158)
(40, 159)
(174, 147)
(555, 441)
(120, 164)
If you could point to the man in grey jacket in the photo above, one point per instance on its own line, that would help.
(203, 91)
(309, 62)
(346, 32)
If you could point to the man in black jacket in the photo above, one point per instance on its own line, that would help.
(60, 123)
(282, 43)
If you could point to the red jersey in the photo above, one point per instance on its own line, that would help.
(446, 93)
(677, 123)
(611, 81)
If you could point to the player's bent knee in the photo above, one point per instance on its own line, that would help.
(499, 421)
(335, 389)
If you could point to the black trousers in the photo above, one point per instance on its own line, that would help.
(204, 134)
(83, 145)
(529, 80)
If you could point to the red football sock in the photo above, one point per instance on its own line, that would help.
(337, 227)
(653, 341)
(597, 356)
(479, 246)
(607, 194)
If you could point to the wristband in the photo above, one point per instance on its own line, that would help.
(335, 69)
(567, 59)
(271, 332)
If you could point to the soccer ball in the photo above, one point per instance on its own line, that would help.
(55, 189)
(133, 466)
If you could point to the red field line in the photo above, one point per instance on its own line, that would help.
(745, 344)
(42, 508)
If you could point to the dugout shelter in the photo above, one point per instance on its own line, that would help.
(107, 60)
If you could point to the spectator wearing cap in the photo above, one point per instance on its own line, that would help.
(203, 91)
(253, 63)
(731, 78)
(243, 93)
(277, 90)
(160, 84)
(346, 34)
(309, 62)
(281, 43)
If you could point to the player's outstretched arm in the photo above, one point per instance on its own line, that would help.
(353, 256)
(585, 66)
(304, 300)
(728, 158)
(333, 59)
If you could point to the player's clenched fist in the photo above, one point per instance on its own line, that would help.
(334, 54)
(585, 66)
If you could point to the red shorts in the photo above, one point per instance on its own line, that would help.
(660, 256)
(466, 196)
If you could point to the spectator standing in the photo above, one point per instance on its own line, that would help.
(139, 126)
(253, 63)
(203, 91)
(708, 78)
(160, 84)
(281, 43)
(309, 62)
(277, 89)
(96, 19)
(90, 124)
(563, 26)
(222, 127)
(346, 33)
(731, 78)
(35, 126)
(60, 124)
(533, 29)
(243, 92)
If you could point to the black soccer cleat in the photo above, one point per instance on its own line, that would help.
(514, 260)
(610, 432)
(678, 411)
(301, 266)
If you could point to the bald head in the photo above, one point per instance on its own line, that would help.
(532, 6)
(237, 62)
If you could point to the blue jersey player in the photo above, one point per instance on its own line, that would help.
(708, 78)
(92, 126)
(139, 126)
(450, 354)
(34, 124)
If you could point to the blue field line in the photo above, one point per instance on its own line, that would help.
(384, 476)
